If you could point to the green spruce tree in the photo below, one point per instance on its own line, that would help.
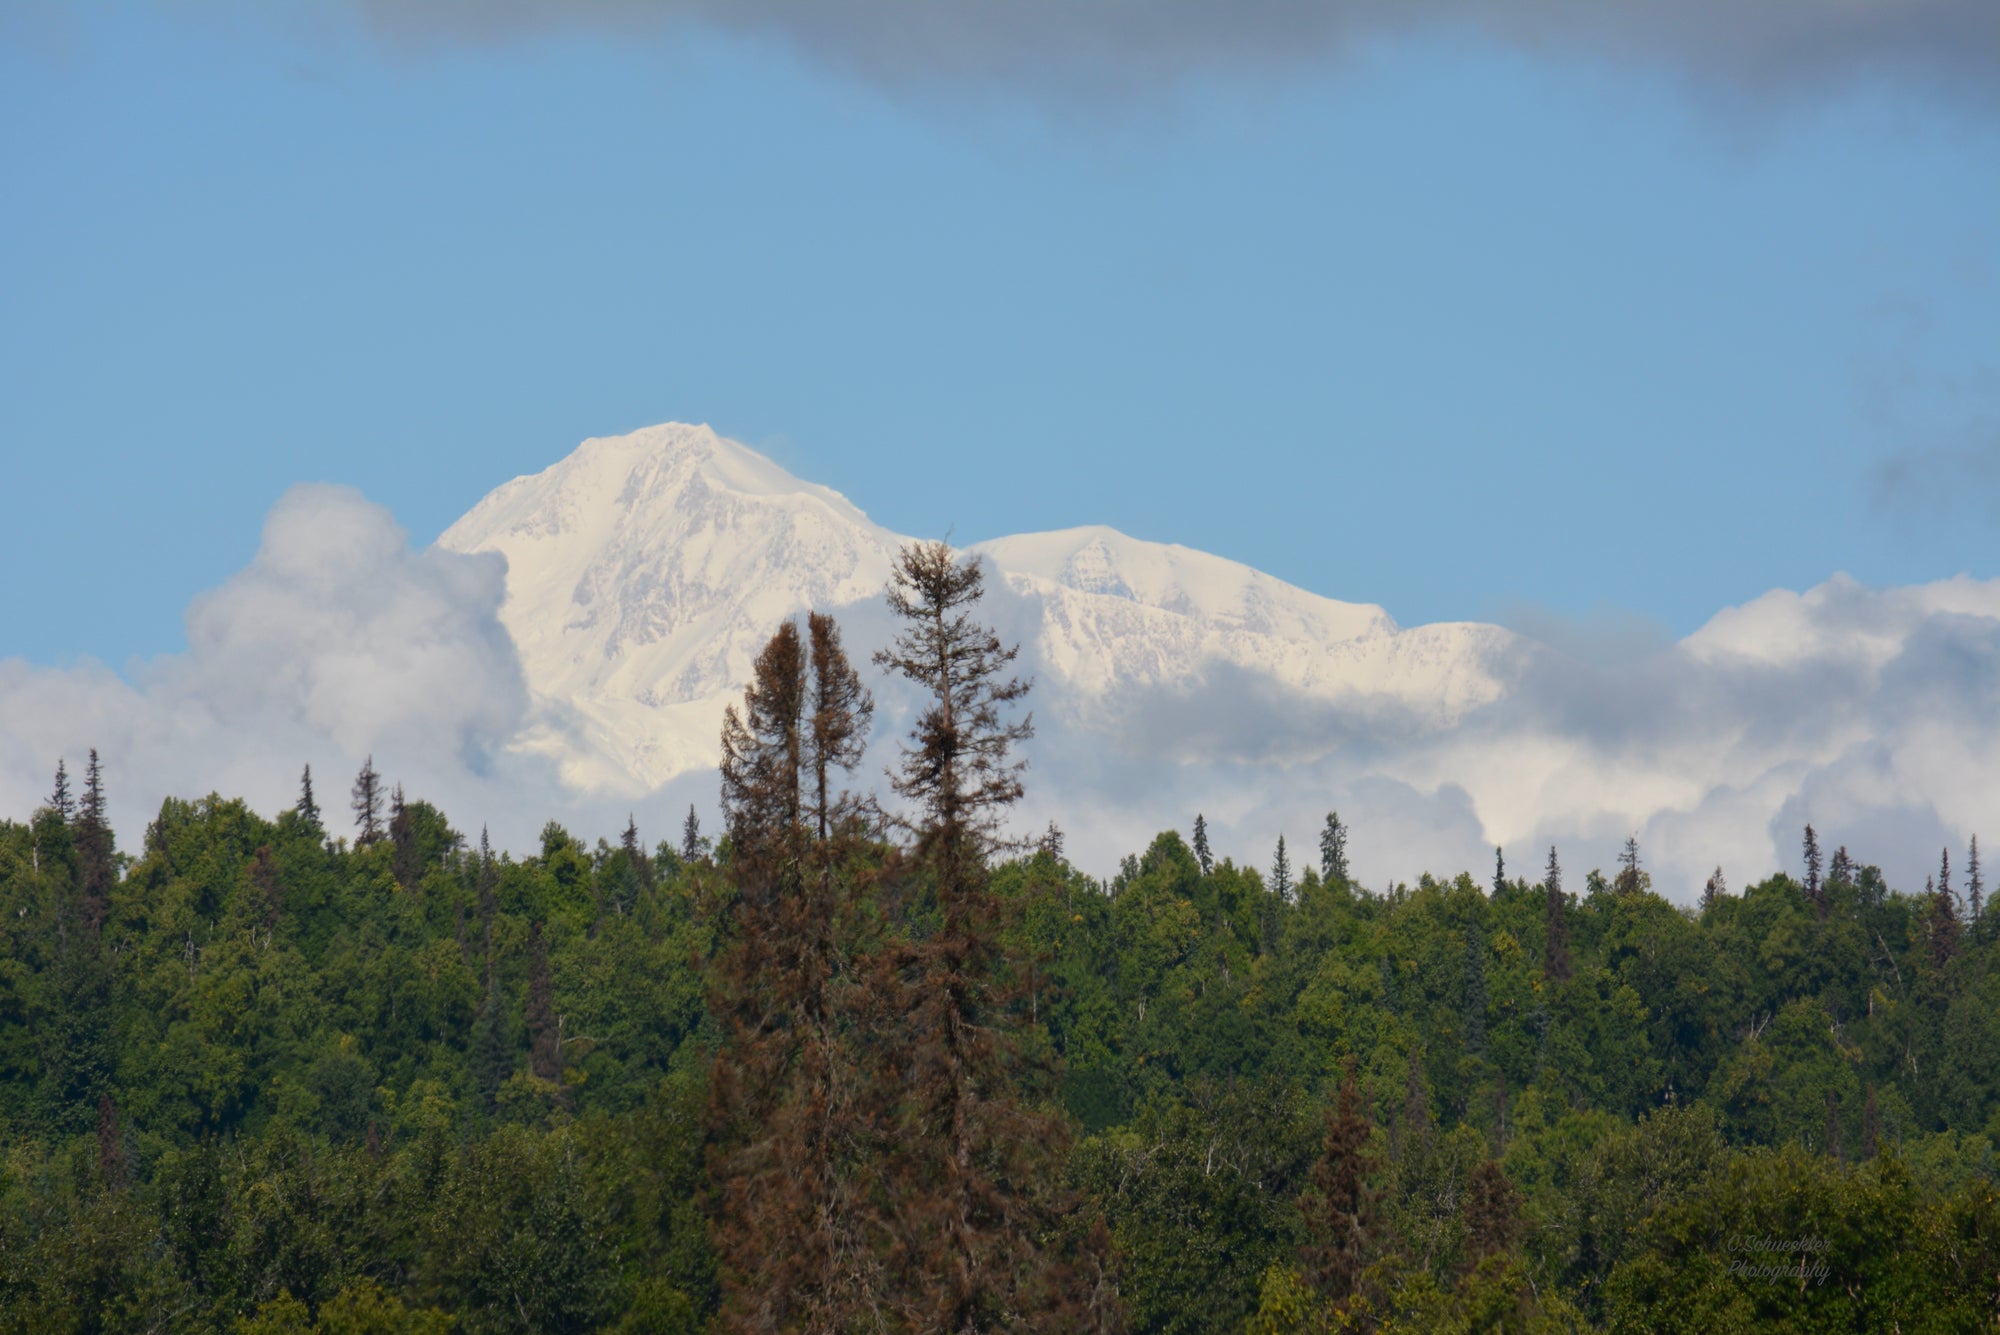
(308, 807)
(367, 804)
(1555, 924)
(1815, 888)
(1333, 850)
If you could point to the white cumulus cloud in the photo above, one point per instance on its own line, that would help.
(337, 641)
(1873, 713)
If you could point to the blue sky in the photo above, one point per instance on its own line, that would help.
(1467, 326)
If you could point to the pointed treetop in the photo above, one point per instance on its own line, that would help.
(60, 801)
(1499, 870)
(1813, 881)
(1975, 886)
(1555, 930)
(1202, 855)
(841, 712)
(692, 844)
(93, 790)
(1281, 871)
(1333, 849)
(959, 763)
(1628, 867)
(367, 803)
(308, 807)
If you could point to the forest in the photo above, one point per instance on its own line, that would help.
(857, 1065)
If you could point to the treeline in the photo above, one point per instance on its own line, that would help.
(855, 1069)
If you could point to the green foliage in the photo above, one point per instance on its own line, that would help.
(286, 1084)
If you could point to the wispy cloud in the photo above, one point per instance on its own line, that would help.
(1954, 482)
(1115, 48)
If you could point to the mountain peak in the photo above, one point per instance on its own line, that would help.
(645, 570)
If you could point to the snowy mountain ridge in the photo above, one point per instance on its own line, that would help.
(645, 571)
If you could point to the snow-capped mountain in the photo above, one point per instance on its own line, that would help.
(1119, 613)
(644, 572)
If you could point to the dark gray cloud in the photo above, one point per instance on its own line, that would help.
(1951, 483)
(1110, 49)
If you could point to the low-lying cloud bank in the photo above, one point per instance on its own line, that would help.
(1875, 714)
(1872, 713)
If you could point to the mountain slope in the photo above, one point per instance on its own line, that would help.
(1120, 613)
(646, 571)
(643, 574)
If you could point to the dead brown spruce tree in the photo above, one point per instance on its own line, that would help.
(973, 1158)
(881, 1149)
(788, 1130)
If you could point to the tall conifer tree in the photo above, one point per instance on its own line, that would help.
(1941, 925)
(837, 732)
(1202, 856)
(1281, 872)
(60, 800)
(367, 804)
(1815, 889)
(1975, 887)
(1714, 890)
(407, 863)
(1555, 933)
(308, 807)
(975, 1165)
(786, 1122)
(1340, 1209)
(487, 892)
(1628, 882)
(95, 862)
(638, 873)
(1333, 849)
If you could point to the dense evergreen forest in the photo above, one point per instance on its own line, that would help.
(851, 1067)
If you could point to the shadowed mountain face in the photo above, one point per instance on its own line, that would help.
(644, 572)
